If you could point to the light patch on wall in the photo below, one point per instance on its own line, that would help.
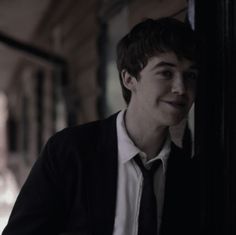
(117, 28)
(8, 185)
(115, 101)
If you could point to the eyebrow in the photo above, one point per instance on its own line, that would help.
(194, 66)
(164, 63)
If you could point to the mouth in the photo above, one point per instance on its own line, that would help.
(176, 104)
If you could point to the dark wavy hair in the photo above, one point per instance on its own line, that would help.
(149, 38)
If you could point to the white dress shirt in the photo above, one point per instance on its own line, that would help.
(130, 181)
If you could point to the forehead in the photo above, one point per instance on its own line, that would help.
(169, 59)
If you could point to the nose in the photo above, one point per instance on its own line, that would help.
(178, 86)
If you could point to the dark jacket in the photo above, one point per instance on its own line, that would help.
(72, 187)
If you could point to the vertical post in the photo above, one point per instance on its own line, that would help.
(216, 113)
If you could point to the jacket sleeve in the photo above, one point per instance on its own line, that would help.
(39, 206)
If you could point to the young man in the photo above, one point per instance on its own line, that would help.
(95, 178)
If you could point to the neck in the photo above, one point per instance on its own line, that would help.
(147, 137)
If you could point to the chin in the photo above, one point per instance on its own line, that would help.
(173, 121)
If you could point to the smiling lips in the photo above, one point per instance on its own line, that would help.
(180, 104)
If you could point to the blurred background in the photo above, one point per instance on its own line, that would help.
(57, 69)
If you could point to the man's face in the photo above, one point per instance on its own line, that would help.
(166, 89)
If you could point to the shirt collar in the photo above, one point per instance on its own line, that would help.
(127, 149)
(163, 155)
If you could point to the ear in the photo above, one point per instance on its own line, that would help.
(128, 80)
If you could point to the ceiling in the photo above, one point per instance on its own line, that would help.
(18, 20)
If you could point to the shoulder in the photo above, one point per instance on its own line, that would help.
(84, 132)
(181, 154)
(81, 139)
(183, 160)
(74, 134)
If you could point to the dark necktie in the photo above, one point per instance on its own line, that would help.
(147, 221)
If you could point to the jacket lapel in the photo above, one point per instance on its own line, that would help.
(179, 194)
(102, 182)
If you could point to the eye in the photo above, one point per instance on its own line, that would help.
(191, 75)
(167, 74)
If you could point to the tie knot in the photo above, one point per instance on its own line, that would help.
(144, 170)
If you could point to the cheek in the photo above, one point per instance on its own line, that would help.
(192, 87)
(191, 98)
(162, 90)
(191, 90)
(152, 92)
(192, 93)
(157, 92)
